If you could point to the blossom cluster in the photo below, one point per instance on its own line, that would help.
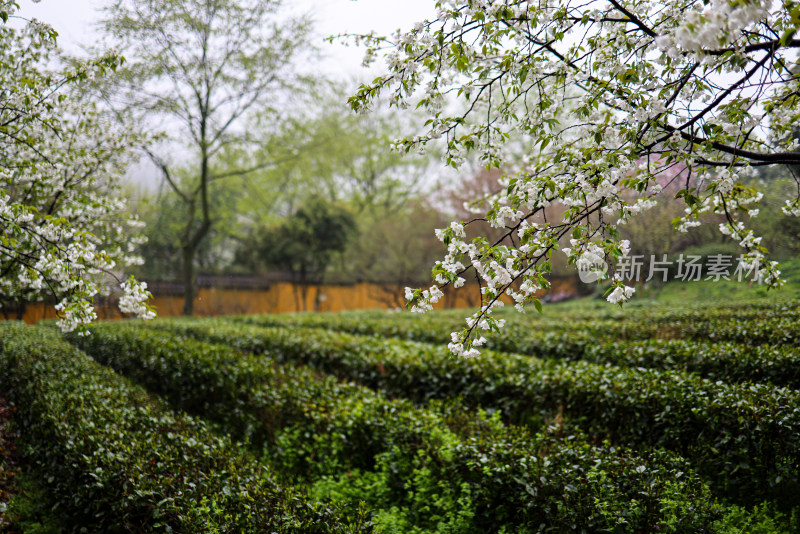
(64, 230)
(592, 110)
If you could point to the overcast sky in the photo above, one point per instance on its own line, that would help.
(73, 20)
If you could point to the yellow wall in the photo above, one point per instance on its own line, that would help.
(284, 297)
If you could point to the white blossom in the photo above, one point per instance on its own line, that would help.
(64, 229)
(629, 104)
(620, 294)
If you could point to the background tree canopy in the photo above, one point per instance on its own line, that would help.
(304, 244)
(203, 67)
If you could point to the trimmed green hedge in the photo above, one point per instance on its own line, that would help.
(618, 343)
(778, 365)
(742, 437)
(730, 362)
(774, 324)
(116, 460)
(436, 469)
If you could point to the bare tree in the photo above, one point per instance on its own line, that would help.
(198, 69)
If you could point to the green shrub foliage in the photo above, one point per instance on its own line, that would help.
(741, 436)
(115, 459)
(437, 468)
(758, 345)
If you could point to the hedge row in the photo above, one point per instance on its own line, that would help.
(778, 325)
(116, 460)
(778, 364)
(436, 469)
(730, 362)
(742, 437)
(782, 330)
(775, 328)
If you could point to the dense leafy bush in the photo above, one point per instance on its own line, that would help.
(436, 469)
(260, 402)
(730, 362)
(699, 346)
(755, 325)
(743, 437)
(117, 460)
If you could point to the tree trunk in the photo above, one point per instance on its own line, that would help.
(318, 297)
(304, 285)
(189, 279)
(304, 297)
(296, 293)
(192, 240)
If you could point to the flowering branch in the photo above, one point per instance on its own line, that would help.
(588, 106)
